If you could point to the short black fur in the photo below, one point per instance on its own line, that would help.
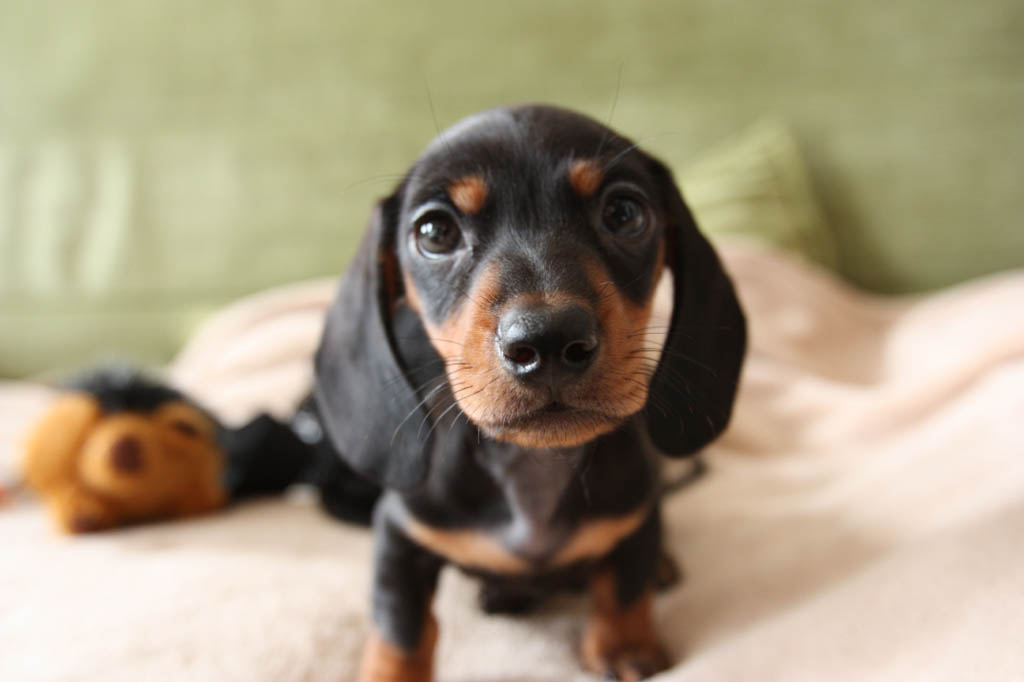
(384, 397)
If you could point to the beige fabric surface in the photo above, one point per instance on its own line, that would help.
(863, 518)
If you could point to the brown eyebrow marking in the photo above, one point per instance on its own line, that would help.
(468, 193)
(585, 176)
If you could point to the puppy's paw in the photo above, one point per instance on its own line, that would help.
(628, 662)
(620, 640)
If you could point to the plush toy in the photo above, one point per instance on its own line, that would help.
(118, 448)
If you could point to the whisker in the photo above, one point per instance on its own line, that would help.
(455, 404)
(448, 341)
(391, 177)
(458, 393)
(484, 307)
(611, 112)
(676, 354)
(413, 411)
(615, 159)
(433, 115)
(410, 370)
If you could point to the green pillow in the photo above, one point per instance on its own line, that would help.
(755, 186)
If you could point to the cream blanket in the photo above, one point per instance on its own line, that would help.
(863, 518)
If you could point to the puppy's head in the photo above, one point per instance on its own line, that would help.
(528, 243)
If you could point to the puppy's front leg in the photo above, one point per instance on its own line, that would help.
(619, 640)
(401, 649)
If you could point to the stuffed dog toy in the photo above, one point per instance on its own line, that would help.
(118, 448)
(491, 363)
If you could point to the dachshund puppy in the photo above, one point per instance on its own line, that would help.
(490, 361)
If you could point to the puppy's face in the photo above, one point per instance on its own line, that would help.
(530, 243)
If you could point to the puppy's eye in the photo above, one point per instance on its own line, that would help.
(437, 234)
(624, 216)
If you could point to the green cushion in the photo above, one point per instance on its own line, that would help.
(755, 186)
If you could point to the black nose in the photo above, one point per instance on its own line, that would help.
(543, 340)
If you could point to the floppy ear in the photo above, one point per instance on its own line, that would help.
(692, 390)
(369, 408)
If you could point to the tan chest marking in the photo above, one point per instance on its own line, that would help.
(597, 538)
(470, 548)
(477, 549)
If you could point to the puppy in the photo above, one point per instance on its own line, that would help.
(490, 361)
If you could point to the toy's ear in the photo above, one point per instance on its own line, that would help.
(53, 445)
(693, 388)
(368, 406)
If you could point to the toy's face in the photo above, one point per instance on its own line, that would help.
(116, 453)
(143, 458)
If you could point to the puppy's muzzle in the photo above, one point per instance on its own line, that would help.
(547, 344)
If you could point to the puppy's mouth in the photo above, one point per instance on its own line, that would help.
(555, 407)
(555, 424)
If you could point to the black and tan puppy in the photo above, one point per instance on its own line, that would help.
(491, 362)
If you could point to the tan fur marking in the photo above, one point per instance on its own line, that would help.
(596, 538)
(566, 435)
(468, 193)
(626, 346)
(385, 662)
(620, 639)
(477, 549)
(559, 431)
(466, 343)
(586, 176)
(470, 548)
(388, 264)
(412, 296)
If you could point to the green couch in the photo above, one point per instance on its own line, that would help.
(158, 159)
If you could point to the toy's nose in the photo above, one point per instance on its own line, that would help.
(543, 341)
(126, 455)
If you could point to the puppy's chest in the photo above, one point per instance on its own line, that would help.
(543, 512)
(533, 490)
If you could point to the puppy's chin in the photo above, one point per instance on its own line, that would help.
(553, 429)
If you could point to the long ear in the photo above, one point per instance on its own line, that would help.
(369, 409)
(693, 388)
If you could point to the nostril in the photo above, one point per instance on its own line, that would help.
(126, 455)
(521, 355)
(577, 352)
(547, 343)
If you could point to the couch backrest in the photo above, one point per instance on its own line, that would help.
(160, 158)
